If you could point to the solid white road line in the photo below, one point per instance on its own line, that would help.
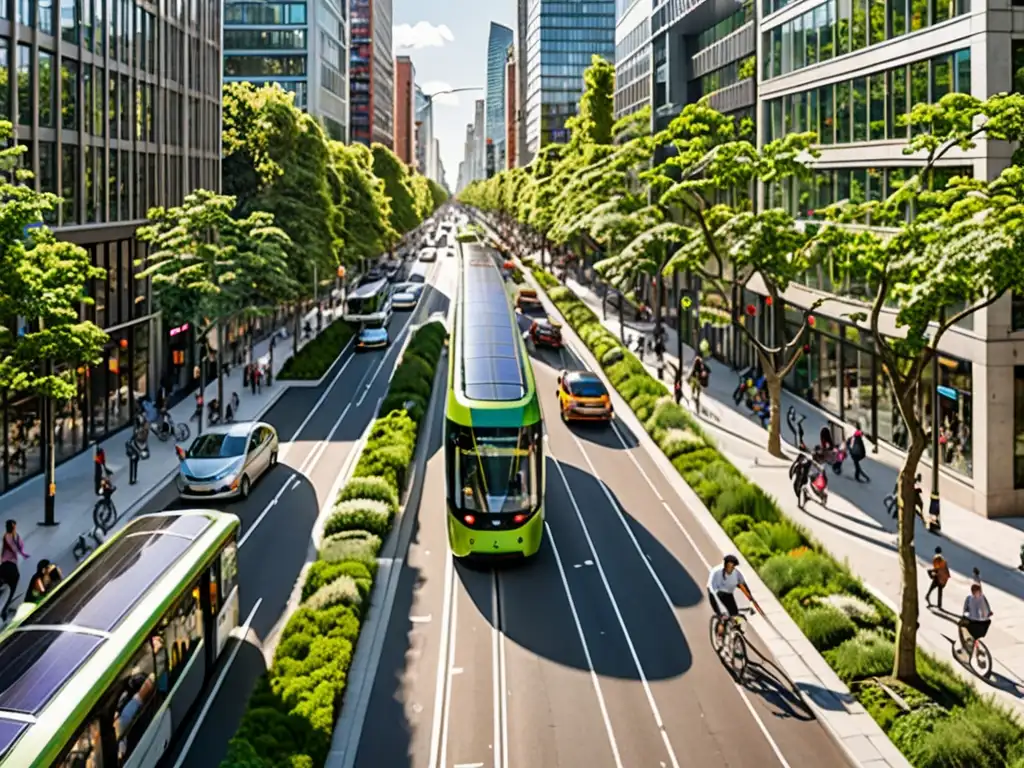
(495, 671)
(446, 713)
(586, 650)
(442, 660)
(242, 632)
(270, 505)
(618, 615)
(503, 677)
(396, 344)
(318, 403)
(739, 688)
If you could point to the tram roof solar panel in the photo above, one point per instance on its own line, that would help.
(100, 593)
(10, 730)
(35, 665)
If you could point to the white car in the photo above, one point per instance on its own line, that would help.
(428, 254)
(406, 298)
(226, 460)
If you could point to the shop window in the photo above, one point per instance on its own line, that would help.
(857, 389)
(1018, 426)
(140, 361)
(24, 437)
(124, 293)
(955, 414)
(99, 285)
(69, 426)
(891, 427)
(114, 316)
(118, 378)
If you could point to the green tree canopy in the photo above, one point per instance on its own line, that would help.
(398, 186)
(368, 229)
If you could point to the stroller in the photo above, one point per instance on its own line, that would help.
(831, 453)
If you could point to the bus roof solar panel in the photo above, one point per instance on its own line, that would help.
(10, 730)
(490, 349)
(488, 334)
(35, 665)
(495, 392)
(107, 587)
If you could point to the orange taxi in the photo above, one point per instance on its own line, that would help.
(582, 396)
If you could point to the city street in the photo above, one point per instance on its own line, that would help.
(595, 652)
(319, 429)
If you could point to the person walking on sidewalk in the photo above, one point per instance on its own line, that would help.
(134, 456)
(12, 547)
(99, 469)
(939, 573)
(855, 445)
(253, 374)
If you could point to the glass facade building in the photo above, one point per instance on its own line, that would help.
(498, 41)
(301, 46)
(117, 103)
(372, 73)
(561, 39)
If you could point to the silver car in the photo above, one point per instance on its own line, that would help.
(226, 460)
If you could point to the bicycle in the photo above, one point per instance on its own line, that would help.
(731, 644)
(979, 659)
(167, 427)
(104, 513)
(83, 548)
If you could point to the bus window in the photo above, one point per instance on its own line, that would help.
(182, 629)
(215, 587)
(228, 569)
(137, 702)
(160, 664)
(87, 748)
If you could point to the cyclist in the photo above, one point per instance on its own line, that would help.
(977, 615)
(722, 583)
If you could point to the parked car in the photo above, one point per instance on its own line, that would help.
(226, 460)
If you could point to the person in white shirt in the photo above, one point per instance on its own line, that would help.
(723, 582)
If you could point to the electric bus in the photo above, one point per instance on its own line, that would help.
(370, 303)
(106, 668)
(494, 459)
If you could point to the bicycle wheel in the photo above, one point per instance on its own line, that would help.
(739, 654)
(181, 432)
(104, 515)
(981, 661)
(717, 640)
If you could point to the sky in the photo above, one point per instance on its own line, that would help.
(447, 42)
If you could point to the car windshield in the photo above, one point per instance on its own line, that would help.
(374, 326)
(217, 446)
(533, 309)
(498, 473)
(586, 388)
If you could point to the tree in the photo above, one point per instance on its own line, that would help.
(207, 265)
(438, 196)
(949, 253)
(361, 194)
(42, 281)
(398, 187)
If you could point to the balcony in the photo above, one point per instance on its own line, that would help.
(734, 47)
(733, 97)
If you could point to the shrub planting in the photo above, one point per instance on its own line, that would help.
(317, 356)
(949, 724)
(291, 714)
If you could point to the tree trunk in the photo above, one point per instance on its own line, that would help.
(220, 371)
(905, 662)
(775, 423)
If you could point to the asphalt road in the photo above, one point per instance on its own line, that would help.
(321, 428)
(594, 653)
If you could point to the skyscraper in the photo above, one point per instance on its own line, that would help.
(480, 139)
(371, 78)
(498, 41)
(566, 35)
(424, 121)
(276, 43)
(405, 110)
(511, 109)
(523, 157)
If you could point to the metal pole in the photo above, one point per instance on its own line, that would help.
(201, 343)
(679, 325)
(220, 372)
(50, 491)
(934, 507)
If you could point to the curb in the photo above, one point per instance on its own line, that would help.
(815, 682)
(309, 383)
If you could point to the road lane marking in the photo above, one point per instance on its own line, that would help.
(320, 400)
(586, 650)
(618, 615)
(503, 677)
(394, 345)
(443, 760)
(442, 661)
(420, 619)
(469, 765)
(270, 505)
(739, 689)
(498, 677)
(296, 485)
(244, 630)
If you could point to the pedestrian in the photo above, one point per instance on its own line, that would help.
(12, 547)
(678, 391)
(99, 468)
(939, 573)
(246, 374)
(46, 577)
(857, 453)
(253, 375)
(259, 380)
(134, 455)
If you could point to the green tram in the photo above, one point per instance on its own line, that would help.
(494, 459)
(107, 667)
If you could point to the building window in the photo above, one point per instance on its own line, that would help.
(112, 105)
(69, 94)
(25, 11)
(24, 447)
(112, 212)
(876, 118)
(5, 75)
(843, 132)
(47, 92)
(99, 27)
(45, 18)
(860, 99)
(962, 70)
(90, 189)
(1016, 311)
(25, 85)
(69, 19)
(919, 86)
(1018, 426)
(897, 17)
(69, 184)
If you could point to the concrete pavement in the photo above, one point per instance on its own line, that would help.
(856, 528)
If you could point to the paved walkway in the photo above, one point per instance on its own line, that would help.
(74, 478)
(855, 527)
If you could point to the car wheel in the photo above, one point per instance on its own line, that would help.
(273, 459)
(565, 419)
(243, 489)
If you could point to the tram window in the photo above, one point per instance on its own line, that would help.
(87, 748)
(137, 702)
(215, 588)
(228, 569)
(181, 631)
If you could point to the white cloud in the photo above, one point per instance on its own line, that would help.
(436, 86)
(422, 35)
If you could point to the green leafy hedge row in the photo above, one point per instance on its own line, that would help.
(317, 356)
(292, 713)
(949, 725)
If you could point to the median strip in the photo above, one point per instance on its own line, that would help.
(939, 722)
(292, 712)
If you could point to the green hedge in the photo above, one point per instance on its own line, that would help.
(317, 356)
(950, 724)
(291, 715)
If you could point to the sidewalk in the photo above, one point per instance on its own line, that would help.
(855, 527)
(74, 478)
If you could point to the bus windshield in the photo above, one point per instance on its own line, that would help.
(366, 305)
(498, 472)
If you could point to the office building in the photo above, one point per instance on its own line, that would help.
(522, 17)
(498, 41)
(405, 110)
(511, 109)
(424, 128)
(117, 115)
(372, 73)
(303, 47)
(561, 39)
(480, 140)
